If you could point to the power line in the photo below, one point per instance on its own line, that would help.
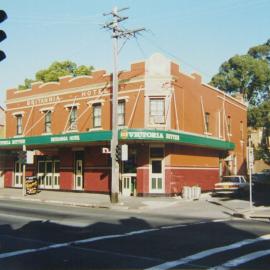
(181, 60)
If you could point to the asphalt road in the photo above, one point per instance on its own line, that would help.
(38, 236)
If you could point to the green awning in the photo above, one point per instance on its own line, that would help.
(125, 135)
(57, 139)
(174, 137)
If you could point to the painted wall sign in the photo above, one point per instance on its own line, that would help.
(55, 99)
(44, 100)
(94, 92)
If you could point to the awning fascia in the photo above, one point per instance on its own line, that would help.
(124, 135)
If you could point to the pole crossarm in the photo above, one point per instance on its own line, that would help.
(114, 25)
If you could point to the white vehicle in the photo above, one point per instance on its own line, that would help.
(231, 185)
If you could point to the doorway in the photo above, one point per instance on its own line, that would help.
(78, 171)
(156, 175)
(18, 174)
(48, 174)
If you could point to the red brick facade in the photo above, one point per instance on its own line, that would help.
(189, 123)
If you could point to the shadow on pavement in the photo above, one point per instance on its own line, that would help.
(129, 243)
(260, 197)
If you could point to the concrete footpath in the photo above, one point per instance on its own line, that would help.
(238, 208)
(243, 208)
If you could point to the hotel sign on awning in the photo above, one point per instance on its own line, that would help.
(149, 135)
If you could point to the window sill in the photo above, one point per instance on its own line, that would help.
(122, 127)
(46, 133)
(71, 131)
(18, 136)
(157, 125)
(95, 129)
(208, 133)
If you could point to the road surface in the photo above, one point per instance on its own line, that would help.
(39, 236)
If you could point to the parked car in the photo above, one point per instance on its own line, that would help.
(232, 185)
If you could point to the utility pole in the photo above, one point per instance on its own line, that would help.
(117, 33)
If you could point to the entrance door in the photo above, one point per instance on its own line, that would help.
(41, 174)
(78, 174)
(48, 174)
(129, 184)
(56, 174)
(156, 176)
(18, 174)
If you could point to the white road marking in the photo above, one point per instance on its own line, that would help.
(105, 237)
(174, 226)
(243, 259)
(221, 220)
(206, 253)
(195, 223)
(76, 242)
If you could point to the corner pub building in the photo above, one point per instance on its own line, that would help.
(179, 131)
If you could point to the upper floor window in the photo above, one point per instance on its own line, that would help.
(229, 125)
(48, 122)
(121, 113)
(157, 111)
(207, 122)
(73, 118)
(96, 115)
(19, 124)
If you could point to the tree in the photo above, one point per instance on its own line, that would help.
(26, 85)
(261, 51)
(249, 75)
(259, 116)
(246, 75)
(56, 70)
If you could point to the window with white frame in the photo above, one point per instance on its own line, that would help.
(121, 112)
(157, 111)
(48, 122)
(19, 124)
(73, 118)
(97, 115)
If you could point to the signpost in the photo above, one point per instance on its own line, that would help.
(250, 155)
(24, 167)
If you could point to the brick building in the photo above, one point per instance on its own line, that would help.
(179, 131)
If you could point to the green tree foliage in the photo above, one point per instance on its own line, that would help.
(26, 85)
(261, 51)
(249, 75)
(259, 116)
(56, 70)
(246, 75)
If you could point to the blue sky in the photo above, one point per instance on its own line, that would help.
(198, 34)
